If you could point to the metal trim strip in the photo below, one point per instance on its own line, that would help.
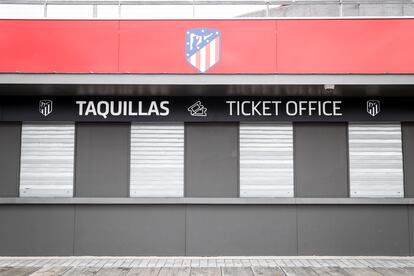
(208, 201)
(209, 79)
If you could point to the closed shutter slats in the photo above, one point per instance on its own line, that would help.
(157, 160)
(375, 160)
(266, 160)
(47, 160)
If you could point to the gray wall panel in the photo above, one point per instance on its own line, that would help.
(33, 230)
(321, 163)
(206, 230)
(411, 228)
(353, 230)
(408, 155)
(241, 230)
(9, 159)
(130, 230)
(102, 160)
(211, 159)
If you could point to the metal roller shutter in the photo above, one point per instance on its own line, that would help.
(47, 160)
(266, 160)
(375, 160)
(157, 160)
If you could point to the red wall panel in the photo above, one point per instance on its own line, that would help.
(370, 46)
(247, 46)
(41, 46)
(268, 46)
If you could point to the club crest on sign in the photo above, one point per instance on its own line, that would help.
(45, 107)
(202, 48)
(373, 107)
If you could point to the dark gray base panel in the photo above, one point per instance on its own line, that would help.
(241, 230)
(36, 230)
(411, 226)
(130, 230)
(206, 230)
(353, 230)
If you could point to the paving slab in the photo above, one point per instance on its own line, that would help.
(19, 271)
(299, 271)
(205, 271)
(173, 271)
(4, 269)
(237, 271)
(149, 271)
(362, 271)
(112, 271)
(392, 271)
(330, 271)
(82, 271)
(410, 270)
(51, 271)
(267, 271)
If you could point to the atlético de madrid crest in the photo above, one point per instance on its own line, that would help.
(373, 107)
(202, 48)
(45, 107)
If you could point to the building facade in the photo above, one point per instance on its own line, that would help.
(207, 137)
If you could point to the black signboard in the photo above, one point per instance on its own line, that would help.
(205, 109)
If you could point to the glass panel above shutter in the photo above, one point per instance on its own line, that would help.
(157, 160)
(375, 160)
(266, 160)
(47, 160)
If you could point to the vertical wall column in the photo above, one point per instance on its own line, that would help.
(102, 160)
(408, 158)
(321, 163)
(10, 140)
(211, 159)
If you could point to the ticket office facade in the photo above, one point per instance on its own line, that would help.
(206, 185)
